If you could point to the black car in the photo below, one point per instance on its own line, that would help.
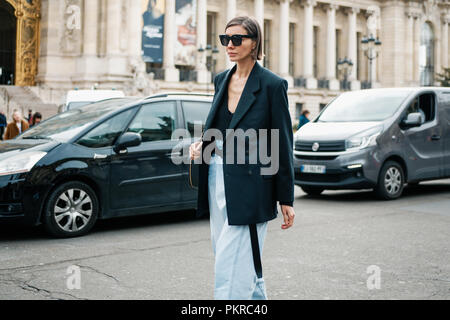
(109, 159)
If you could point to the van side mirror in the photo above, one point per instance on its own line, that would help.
(412, 120)
(127, 140)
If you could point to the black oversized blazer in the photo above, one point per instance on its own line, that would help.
(251, 197)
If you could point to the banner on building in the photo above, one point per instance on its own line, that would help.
(186, 42)
(153, 31)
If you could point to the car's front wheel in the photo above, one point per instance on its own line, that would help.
(391, 181)
(71, 210)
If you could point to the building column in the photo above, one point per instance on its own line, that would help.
(87, 64)
(409, 56)
(352, 53)
(231, 13)
(203, 75)
(171, 74)
(259, 13)
(284, 42)
(135, 29)
(259, 16)
(416, 50)
(444, 41)
(437, 53)
(116, 59)
(308, 44)
(51, 56)
(90, 28)
(331, 47)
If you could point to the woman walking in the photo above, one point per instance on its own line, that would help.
(238, 198)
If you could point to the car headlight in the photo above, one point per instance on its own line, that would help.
(20, 162)
(362, 141)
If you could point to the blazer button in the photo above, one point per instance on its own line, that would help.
(249, 171)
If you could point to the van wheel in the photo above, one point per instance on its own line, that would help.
(391, 181)
(71, 210)
(312, 191)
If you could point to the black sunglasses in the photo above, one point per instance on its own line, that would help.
(236, 39)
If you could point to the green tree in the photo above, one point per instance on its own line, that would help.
(444, 78)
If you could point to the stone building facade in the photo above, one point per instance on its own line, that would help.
(66, 44)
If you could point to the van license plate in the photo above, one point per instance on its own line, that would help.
(308, 168)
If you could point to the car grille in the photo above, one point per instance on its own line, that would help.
(325, 146)
(326, 178)
(316, 158)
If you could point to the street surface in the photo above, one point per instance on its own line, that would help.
(344, 245)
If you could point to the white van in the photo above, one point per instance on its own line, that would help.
(78, 98)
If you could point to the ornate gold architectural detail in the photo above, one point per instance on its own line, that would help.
(27, 44)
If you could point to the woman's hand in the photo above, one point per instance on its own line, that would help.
(195, 150)
(288, 215)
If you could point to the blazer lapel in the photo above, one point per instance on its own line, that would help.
(245, 102)
(247, 97)
(216, 103)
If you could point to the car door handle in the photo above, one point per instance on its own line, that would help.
(174, 154)
(100, 156)
(435, 137)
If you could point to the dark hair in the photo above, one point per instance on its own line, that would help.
(253, 28)
(304, 113)
(37, 115)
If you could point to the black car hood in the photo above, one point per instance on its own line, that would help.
(23, 144)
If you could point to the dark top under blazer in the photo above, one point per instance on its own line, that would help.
(251, 197)
(222, 119)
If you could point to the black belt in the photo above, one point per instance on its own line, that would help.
(255, 250)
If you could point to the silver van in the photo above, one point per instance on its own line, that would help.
(376, 139)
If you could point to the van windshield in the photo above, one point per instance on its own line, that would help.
(65, 126)
(364, 105)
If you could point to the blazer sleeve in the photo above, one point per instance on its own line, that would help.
(281, 120)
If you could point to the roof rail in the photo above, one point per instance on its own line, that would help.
(167, 94)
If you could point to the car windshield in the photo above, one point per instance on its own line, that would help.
(364, 105)
(65, 126)
(78, 104)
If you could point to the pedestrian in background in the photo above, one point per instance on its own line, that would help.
(303, 119)
(30, 117)
(3, 124)
(37, 118)
(241, 201)
(16, 127)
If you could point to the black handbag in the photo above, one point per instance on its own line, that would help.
(194, 172)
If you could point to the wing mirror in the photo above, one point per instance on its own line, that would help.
(127, 140)
(412, 120)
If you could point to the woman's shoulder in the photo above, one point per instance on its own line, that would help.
(270, 78)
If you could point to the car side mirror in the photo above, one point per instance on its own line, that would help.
(412, 120)
(127, 140)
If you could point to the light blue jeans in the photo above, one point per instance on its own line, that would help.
(235, 275)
